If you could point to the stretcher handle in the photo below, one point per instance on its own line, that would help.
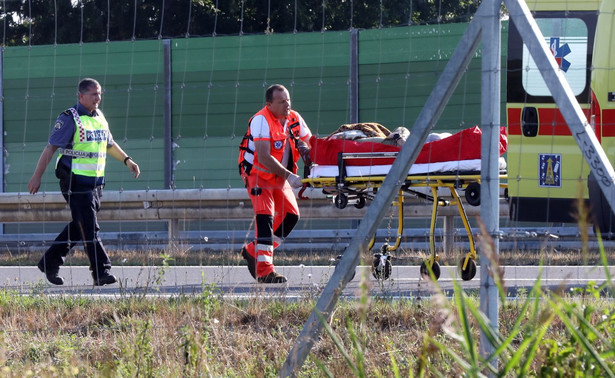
(300, 194)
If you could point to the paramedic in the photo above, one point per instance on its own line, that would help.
(82, 137)
(276, 138)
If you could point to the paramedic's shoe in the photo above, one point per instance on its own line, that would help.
(251, 261)
(51, 274)
(104, 279)
(272, 277)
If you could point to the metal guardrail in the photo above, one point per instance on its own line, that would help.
(204, 204)
(174, 206)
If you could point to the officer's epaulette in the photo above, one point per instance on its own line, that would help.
(67, 112)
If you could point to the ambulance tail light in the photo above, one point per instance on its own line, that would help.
(594, 115)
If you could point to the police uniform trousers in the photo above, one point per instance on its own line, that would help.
(84, 203)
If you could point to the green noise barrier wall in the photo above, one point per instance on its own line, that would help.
(217, 83)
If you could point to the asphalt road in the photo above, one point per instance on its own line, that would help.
(303, 281)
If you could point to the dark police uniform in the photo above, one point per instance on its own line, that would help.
(82, 193)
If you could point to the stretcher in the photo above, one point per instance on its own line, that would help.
(357, 176)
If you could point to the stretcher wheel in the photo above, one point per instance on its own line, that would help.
(381, 267)
(473, 194)
(435, 267)
(341, 200)
(470, 271)
(361, 203)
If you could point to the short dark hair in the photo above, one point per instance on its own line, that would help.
(86, 84)
(271, 89)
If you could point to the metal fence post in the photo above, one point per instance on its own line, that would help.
(490, 127)
(2, 126)
(353, 81)
(173, 225)
(167, 115)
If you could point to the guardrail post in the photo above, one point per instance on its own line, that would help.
(173, 232)
(448, 232)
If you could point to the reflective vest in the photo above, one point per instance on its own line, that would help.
(89, 150)
(248, 160)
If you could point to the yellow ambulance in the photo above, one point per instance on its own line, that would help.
(547, 175)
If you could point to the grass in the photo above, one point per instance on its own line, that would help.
(403, 256)
(561, 333)
(208, 335)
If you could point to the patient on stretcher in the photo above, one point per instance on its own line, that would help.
(375, 132)
(371, 132)
(442, 153)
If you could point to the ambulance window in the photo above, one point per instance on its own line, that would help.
(567, 38)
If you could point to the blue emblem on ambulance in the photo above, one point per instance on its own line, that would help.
(549, 170)
(277, 144)
(560, 52)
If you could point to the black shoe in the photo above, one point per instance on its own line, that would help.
(105, 279)
(51, 274)
(272, 277)
(251, 261)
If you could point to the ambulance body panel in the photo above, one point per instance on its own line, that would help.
(547, 174)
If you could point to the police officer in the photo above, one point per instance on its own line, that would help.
(276, 138)
(82, 137)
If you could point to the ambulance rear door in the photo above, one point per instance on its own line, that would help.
(546, 171)
(603, 111)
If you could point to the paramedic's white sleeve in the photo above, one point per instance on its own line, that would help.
(304, 131)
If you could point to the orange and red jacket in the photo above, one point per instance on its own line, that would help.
(278, 138)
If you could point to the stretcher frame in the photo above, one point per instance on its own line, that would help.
(358, 189)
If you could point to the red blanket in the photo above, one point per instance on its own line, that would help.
(464, 145)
